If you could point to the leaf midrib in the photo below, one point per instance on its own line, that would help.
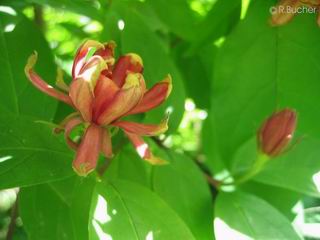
(10, 70)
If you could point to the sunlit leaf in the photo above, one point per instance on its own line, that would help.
(124, 210)
(241, 216)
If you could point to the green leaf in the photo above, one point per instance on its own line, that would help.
(196, 71)
(210, 146)
(157, 64)
(30, 154)
(53, 216)
(127, 165)
(86, 8)
(124, 210)
(219, 21)
(282, 199)
(188, 194)
(178, 17)
(17, 93)
(261, 68)
(244, 216)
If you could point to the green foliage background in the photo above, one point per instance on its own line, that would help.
(230, 71)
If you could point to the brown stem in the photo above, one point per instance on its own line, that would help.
(159, 142)
(38, 16)
(214, 183)
(12, 224)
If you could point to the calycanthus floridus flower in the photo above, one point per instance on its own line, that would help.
(103, 91)
(285, 10)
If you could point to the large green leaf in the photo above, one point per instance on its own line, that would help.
(219, 21)
(196, 71)
(261, 68)
(183, 186)
(30, 154)
(127, 165)
(241, 216)
(282, 199)
(16, 93)
(178, 16)
(55, 212)
(189, 195)
(124, 210)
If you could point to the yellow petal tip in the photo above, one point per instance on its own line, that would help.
(31, 62)
(135, 58)
(132, 80)
(156, 161)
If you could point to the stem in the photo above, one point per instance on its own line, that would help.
(214, 183)
(38, 16)
(13, 218)
(259, 164)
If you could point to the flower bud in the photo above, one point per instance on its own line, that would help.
(276, 132)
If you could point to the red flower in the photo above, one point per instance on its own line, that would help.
(102, 92)
(276, 132)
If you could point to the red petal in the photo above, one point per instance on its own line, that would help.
(82, 98)
(104, 92)
(88, 151)
(125, 99)
(154, 97)
(42, 85)
(71, 124)
(143, 149)
(128, 63)
(81, 54)
(143, 129)
(106, 146)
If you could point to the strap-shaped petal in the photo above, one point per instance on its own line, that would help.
(81, 54)
(70, 125)
(281, 15)
(60, 83)
(60, 128)
(143, 129)
(143, 149)
(128, 63)
(88, 151)
(42, 85)
(106, 146)
(104, 92)
(154, 96)
(82, 98)
(126, 98)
